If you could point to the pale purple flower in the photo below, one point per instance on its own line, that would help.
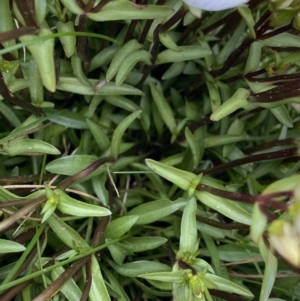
(215, 5)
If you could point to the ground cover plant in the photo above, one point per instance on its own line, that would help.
(149, 150)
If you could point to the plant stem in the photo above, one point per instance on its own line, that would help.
(290, 152)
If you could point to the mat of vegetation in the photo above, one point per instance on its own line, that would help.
(149, 150)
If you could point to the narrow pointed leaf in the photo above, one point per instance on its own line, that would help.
(228, 286)
(154, 211)
(120, 226)
(98, 288)
(123, 10)
(134, 269)
(179, 177)
(188, 232)
(119, 131)
(7, 246)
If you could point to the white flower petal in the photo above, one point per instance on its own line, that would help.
(215, 5)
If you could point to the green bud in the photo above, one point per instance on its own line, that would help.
(49, 192)
(197, 286)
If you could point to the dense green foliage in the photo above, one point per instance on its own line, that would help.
(149, 151)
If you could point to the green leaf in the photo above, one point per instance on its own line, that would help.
(200, 265)
(9, 114)
(134, 269)
(232, 253)
(119, 131)
(284, 39)
(70, 289)
(96, 87)
(164, 288)
(271, 264)
(48, 209)
(26, 146)
(72, 6)
(99, 135)
(6, 21)
(183, 292)
(69, 120)
(168, 42)
(282, 114)
(104, 57)
(174, 70)
(6, 195)
(173, 277)
(120, 226)
(214, 93)
(115, 284)
(67, 234)
(122, 102)
(155, 210)
(78, 71)
(195, 147)
(100, 189)
(232, 43)
(164, 108)
(228, 286)
(237, 101)
(258, 224)
(141, 244)
(254, 57)
(188, 244)
(70, 165)
(74, 207)
(219, 140)
(117, 251)
(36, 87)
(22, 128)
(68, 42)
(236, 129)
(98, 289)
(246, 13)
(284, 184)
(180, 178)
(7, 246)
(41, 10)
(124, 10)
(127, 49)
(40, 50)
(130, 61)
(224, 206)
(187, 53)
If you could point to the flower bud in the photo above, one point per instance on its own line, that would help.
(285, 240)
(197, 286)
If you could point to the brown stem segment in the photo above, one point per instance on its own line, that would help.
(148, 25)
(4, 91)
(266, 200)
(285, 142)
(88, 281)
(260, 27)
(87, 171)
(217, 224)
(62, 279)
(281, 154)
